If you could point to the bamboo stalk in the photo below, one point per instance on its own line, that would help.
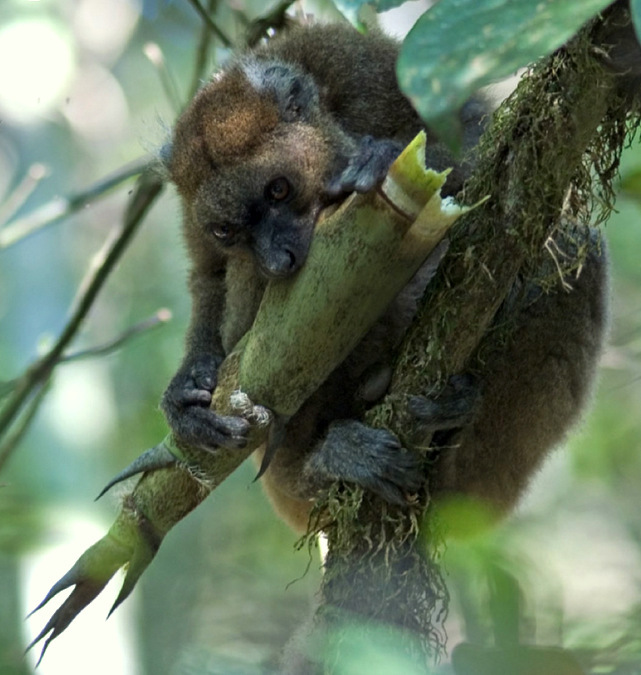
(362, 255)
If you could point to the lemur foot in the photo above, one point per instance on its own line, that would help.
(372, 458)
(367, 167)
(455, 406)
(186, 406)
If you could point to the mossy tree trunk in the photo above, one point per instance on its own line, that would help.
(549, 156)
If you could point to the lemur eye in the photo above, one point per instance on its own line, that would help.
(278, 189)
(222, 232)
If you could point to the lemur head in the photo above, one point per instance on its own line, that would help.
(251, 156)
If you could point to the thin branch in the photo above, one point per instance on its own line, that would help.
(275, 19)
(202, 12)
(59, 208)
(27, 416)
(148, 190)
(23, 191)
(159, 318)
(168, 82)
(202, 53)
(39, 372)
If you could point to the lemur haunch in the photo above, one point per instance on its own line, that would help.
(279, 133)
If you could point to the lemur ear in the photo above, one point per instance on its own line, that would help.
(297, 100)
(295, 92)
(186, 164)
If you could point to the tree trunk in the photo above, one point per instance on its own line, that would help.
(552, 151)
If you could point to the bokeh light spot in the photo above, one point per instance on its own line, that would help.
(37, 64)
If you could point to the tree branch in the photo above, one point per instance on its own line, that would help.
(211, 25)
(60, 208)
(157, 319)
(38, 374)
(568, 120)
(36, 173)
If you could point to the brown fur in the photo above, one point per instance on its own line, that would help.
(245, 129)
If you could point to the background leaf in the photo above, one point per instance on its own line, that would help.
(631, 185)
(458, 46)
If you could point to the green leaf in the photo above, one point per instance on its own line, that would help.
(351, 8)
(458, 46)
(631, 184)
(635, 10)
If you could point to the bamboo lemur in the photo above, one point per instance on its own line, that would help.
(278, 134)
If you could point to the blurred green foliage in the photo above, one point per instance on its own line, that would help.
(219, 597)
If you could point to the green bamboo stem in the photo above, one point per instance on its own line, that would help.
(358, 263)
(362, 255)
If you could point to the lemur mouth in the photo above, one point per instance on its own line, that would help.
(286, 268)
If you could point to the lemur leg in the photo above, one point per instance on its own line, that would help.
(532, 392)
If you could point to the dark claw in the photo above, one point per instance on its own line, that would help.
(203, 370)
(196, 397)
(234, 430)
(158, 457)
(193, 384)
(202, 428)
